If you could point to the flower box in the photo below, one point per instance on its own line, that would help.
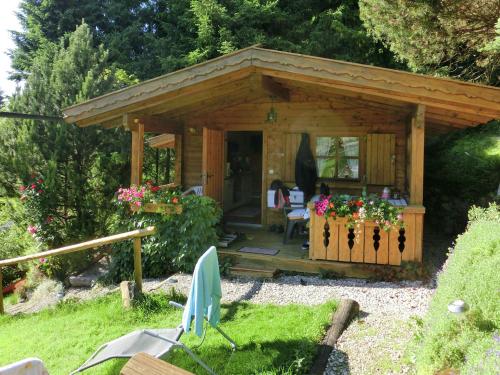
(159, 208)
(367, 242)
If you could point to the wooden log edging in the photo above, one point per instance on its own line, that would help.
(347, 311)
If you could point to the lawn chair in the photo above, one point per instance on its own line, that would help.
(28, 366)
(294, 219)
(203, 304)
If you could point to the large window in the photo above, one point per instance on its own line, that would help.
(338, 157)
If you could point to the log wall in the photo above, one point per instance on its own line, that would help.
(317, 116)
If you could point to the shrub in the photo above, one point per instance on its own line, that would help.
(14, 237)
(178, 243)
(470, 344)
(461, 169)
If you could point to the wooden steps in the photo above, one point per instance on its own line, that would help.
(252, 271)
(303, 265)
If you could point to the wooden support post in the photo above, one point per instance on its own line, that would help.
(2, 311)
(137, 156)
(416, 171)
(137, 264)
(178, 159)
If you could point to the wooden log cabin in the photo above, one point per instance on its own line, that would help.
(236, 121)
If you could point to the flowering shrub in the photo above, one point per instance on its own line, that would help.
(384, 214)
(139, 195)
(50, 226)
(40, 211)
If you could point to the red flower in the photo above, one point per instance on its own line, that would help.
(333, 214)
(154, 189)
(33, 186)
(40, 181)
(22, 188)
(40, 191)
(359, 203)
(175, 200)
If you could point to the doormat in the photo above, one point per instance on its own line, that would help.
(259, 250)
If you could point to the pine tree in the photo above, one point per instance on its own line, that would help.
(81, 167)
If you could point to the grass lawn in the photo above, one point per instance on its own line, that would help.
(271, 339)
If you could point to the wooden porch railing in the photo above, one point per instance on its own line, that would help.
(136, 235)
(367, 243)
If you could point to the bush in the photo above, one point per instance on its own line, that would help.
(461, 169)
(178, 243)
(470, 344)
(14, 237)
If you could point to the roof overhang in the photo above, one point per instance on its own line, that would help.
(252, 72)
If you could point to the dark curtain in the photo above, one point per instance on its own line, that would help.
(306, 173)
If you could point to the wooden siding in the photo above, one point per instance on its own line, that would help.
(380, 159)
(393, 247)
(303, 113)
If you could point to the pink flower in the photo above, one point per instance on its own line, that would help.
(321, 206)
(33, 186)
(32, 229)
(43, 260)
(22, 188)
(138, 203)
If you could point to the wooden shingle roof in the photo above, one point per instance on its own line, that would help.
(232, 78)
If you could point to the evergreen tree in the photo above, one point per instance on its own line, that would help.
(329, 28)
(144, 38)
(81, 167)
(155, 37)
(445, 37)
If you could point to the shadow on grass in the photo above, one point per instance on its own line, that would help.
(273, 357)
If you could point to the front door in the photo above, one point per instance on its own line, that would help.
(213, 163)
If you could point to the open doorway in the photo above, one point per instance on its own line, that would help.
(243, 178)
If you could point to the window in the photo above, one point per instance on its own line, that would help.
(338, 157)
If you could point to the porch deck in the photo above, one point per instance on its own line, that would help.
(290, 257)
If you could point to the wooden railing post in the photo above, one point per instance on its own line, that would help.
(137, 264)
(2, 311)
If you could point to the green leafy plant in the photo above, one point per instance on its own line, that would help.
(15, 240)
(179, 241)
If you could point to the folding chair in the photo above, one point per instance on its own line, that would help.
(159, 342)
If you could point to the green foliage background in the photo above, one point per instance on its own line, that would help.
(461, 169)
(470, 344)
(458, 38)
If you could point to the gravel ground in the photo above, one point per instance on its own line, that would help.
(373, 344)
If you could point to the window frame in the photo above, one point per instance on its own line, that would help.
(359, 157)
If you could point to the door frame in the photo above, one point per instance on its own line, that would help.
(263, 195)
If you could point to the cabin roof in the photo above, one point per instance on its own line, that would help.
(252, 72)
